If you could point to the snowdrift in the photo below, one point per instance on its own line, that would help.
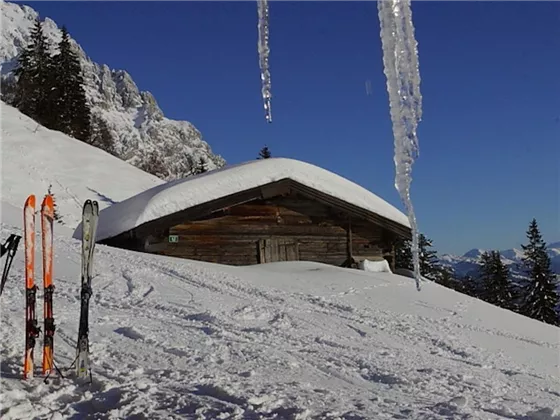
(34, 157)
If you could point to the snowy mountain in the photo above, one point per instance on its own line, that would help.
(143, 136)
(468, 263)
(34, 158)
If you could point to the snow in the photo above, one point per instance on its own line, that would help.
(375, 266)
(178, 195)
(173, 338)
(264, 52)
(400, 60)
(34, 157)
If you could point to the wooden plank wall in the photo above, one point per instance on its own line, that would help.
(233, 235)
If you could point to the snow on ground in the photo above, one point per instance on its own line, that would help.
(34, 157)
(180, 194)
(173, 338)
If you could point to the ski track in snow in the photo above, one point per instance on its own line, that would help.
(180, 339)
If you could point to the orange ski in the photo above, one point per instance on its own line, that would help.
(31, 327)
(47, 219)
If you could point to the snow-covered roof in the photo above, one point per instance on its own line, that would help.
(181, 194)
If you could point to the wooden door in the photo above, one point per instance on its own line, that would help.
(277, 249)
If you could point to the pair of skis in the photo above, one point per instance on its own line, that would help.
(32, 329)
(90, 217)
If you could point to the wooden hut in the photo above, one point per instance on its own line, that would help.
(264, 211)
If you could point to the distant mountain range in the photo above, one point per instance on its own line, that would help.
(142, 135)
(468, 264)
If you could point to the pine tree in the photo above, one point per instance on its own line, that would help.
(264, 153)
(497, 288)
(403, 254)
(8, 89)
(69, 97)
(486, 272)
(189, 166)
(100, 135)
(154, 164)
(445, 277)
(467, 285)
(429, 267)
(539, 297)
(201, 167)
(34, 78)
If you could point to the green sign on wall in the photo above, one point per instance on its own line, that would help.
(173, 238)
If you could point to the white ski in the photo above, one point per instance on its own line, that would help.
(90, 215)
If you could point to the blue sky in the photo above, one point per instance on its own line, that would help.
(489, 139)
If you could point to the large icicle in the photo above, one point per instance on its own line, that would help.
(264, 51)
(400, 60)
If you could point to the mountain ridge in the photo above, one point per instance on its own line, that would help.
(467, 264)
(142, 135)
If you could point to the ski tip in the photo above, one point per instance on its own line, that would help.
(30, 202)
(48, 201)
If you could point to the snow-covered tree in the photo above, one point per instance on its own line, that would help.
(34, 74)
(429, 266)
(497, 288)
(100, 135)
(154, 164)
(70, 103)
(200, 167)
(403, 254)
(539, 298)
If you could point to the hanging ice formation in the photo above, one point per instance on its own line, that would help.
(264, 51)
(400, 60)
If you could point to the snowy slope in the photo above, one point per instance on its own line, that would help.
(172, 338)
(178, 195)
(34, 157)
(141, 132)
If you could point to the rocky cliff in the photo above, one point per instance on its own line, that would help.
(140, 133)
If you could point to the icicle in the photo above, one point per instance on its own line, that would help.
(264, 51)
(400, 60)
